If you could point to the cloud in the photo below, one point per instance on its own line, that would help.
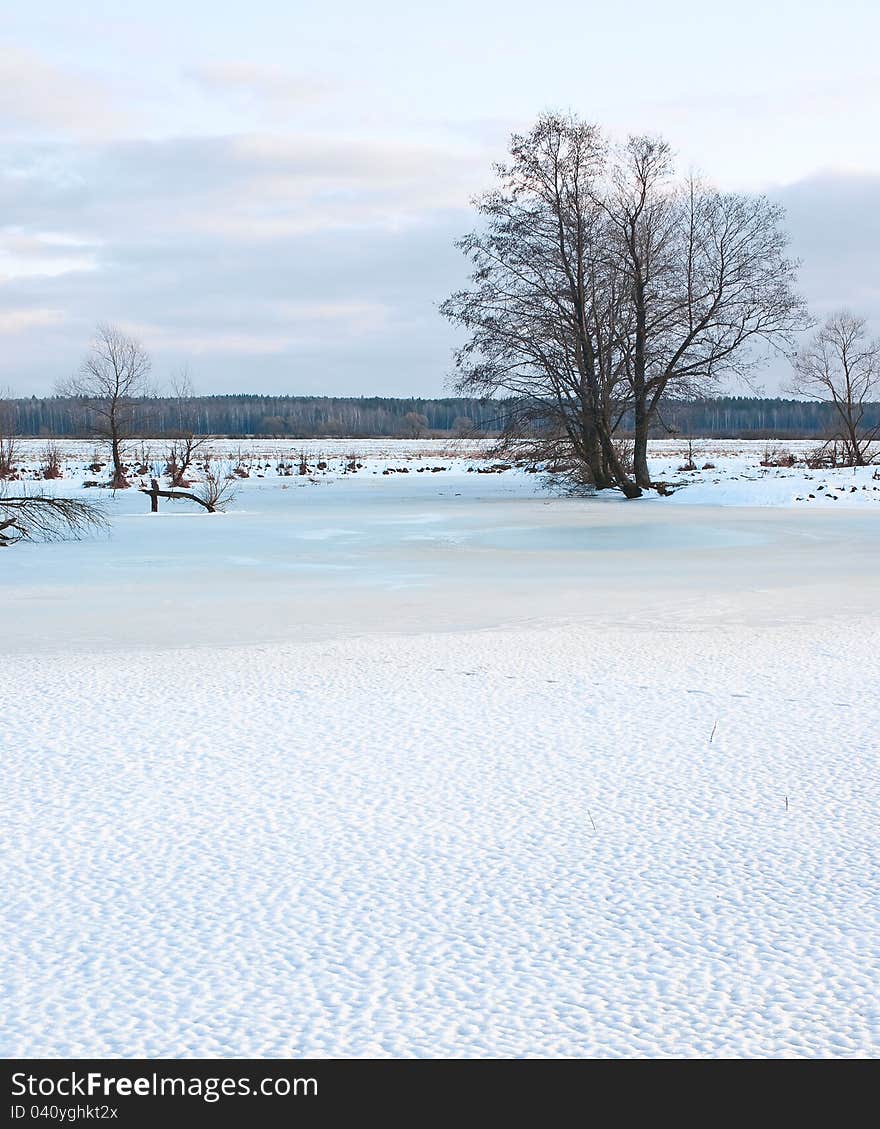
(271, 328)
(16, 321)
(354, 318)
(26, 254)
(247, 186)
(35, 94)
(834, 221)
(296, 263)
(277, 89)
(318, 312)
(821, 97)
(212, 341)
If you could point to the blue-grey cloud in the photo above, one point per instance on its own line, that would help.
(835, 225)
(293, 263)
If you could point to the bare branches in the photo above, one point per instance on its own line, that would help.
(217, 489)
(546, 312)
(184, 445)
(214, 492)
(841, 366)
(602, 284)
(709, 278)
(44, 517)
(111, 380)
(8, 433)
(180, 455)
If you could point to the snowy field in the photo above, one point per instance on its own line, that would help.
(439, 763)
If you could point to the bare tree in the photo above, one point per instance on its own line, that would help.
(111, 381)
(8, 435)
(546, 309)
(182, 392)
(218, 486)
(44, 517)
(707, 276)
(51, 461)
(602, 284)
(184, 444)
(180, 455)
(841, 366)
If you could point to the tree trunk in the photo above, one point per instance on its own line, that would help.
(640, 393)
(622, 480)
(587, 449)
(857, 454)
(119, 480)
(640, 446)
(598, 467)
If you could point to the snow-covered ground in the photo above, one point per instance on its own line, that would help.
(439, 763)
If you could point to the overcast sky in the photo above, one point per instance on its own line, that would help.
(268, 192)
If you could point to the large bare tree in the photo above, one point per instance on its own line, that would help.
(601, 284)
(546, 311)
(840, 365)
(708, 277)
(111, 382)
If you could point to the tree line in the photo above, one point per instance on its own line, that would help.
(376, 417)
(307, 417)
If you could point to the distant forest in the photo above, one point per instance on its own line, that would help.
(308, 417)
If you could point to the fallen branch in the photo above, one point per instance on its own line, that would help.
(154, 494)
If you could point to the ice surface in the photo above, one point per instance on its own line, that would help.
(442, 765)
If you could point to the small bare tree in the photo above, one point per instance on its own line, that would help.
(180, 455)
(111, 380)
(841, 366)
(184, 444)
(218, 487)
(8, 435)
(51, 461)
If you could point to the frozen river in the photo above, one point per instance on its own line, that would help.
(295, 561)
